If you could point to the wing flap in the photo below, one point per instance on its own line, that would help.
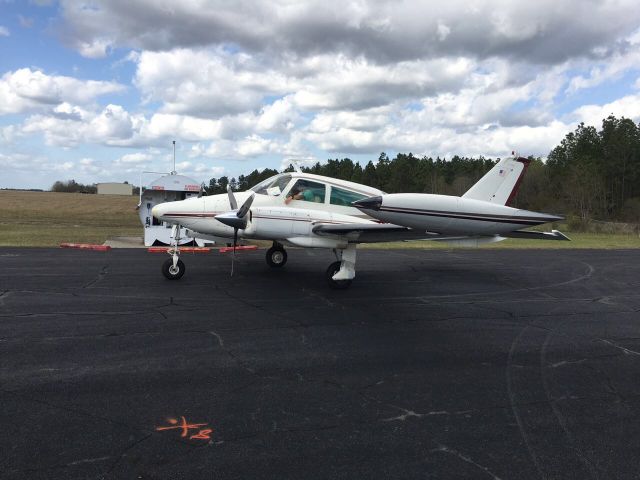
(552, 235)
(371, 232)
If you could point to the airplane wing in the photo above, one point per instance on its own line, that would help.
(387, 232)
(371, 232)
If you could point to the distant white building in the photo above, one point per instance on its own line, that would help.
(113, 188)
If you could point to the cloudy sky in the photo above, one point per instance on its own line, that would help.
(97, 90)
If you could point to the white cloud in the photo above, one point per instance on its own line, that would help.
(205, 83)
(443, 31)
(611, 67)
(361, 84)
(97, 48)
(627, 106)
(8, 134)
(253, 146)
(281, 116)
(26, 90)
(111, 126)
(4, 31)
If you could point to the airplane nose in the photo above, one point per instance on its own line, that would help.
(371, 203)
(157, 211)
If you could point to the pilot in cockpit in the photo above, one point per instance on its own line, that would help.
(300, 193)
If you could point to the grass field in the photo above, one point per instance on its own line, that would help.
(46, 219)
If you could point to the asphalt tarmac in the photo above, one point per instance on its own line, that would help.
(434, 364)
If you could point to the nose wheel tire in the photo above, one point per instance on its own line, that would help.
(336, 284)
(276, 257)
(171, 272)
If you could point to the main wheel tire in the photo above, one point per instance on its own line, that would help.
(336, 284)
(276, 257)
(172, 273)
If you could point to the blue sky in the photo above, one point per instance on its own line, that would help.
(97, 90)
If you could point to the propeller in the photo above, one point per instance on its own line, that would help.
(236, 218)
(232, 198)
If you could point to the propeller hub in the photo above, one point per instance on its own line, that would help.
(231, 219)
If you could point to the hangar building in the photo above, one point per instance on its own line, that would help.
(169, 188)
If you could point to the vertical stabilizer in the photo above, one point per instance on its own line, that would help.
(500, 184)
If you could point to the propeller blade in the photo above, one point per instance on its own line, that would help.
(232, 198)
(245, 207)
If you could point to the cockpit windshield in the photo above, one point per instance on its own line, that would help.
(272, 185)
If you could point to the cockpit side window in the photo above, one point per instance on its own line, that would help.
(340, 196)
(273, 185)
(307, 191)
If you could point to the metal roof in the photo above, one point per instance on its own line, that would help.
(175, 183)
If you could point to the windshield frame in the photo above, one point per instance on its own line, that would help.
(276, 180)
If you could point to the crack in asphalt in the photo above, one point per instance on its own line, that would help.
(626, 351)
(122, 455)
(464, 458)
(233, 356)
(99, 278)
(4, 294)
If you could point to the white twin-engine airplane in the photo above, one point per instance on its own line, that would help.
(305, 210)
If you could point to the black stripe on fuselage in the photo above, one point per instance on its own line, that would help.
(481, 217)
(192, 215)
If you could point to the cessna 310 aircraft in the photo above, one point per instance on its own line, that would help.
(306, 210)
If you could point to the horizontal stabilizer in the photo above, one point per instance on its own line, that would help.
(552, 235)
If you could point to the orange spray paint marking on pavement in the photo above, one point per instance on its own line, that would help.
(203, 434)
(185, 427)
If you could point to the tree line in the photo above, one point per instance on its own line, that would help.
(591, 174)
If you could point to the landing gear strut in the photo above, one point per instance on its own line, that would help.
(276, 256)
(340, 274)
(174, 268)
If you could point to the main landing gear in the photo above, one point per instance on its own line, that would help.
(174, 268)
(340, 274)
(276, 256)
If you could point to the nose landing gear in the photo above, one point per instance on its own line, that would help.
(174, 268)
(171, 271)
